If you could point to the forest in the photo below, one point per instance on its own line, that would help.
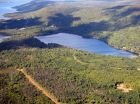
(72, 76)
(69, 80)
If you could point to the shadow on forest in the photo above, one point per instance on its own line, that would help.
(19, 23)
(60, 23)
(130, 11)
(116, 7)
(63, 23)
(125, 12)
(136, 20)
(26, 43)
(61, 20)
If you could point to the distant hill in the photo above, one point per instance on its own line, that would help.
(101, 21)
(33, 5)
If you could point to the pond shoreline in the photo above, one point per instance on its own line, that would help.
(91, 45)
(136, 54)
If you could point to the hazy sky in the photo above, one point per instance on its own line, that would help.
(24, 1)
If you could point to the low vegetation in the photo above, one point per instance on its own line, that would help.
(75, 83)
(16, 89)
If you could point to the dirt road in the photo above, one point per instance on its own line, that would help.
(39, 87)
(79, 61)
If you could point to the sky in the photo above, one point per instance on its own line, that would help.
(25, 1)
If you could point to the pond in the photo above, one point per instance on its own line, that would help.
(85, 44)
(3, 37)
(6, 6)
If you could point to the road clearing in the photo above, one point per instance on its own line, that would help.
(39, 87)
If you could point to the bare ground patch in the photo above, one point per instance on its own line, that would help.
(122, 87)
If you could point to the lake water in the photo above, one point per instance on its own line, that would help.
(78, 42)
(6, 6)
(3, 37)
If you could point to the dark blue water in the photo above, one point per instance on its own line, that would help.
(6, 6)
(90, 45)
